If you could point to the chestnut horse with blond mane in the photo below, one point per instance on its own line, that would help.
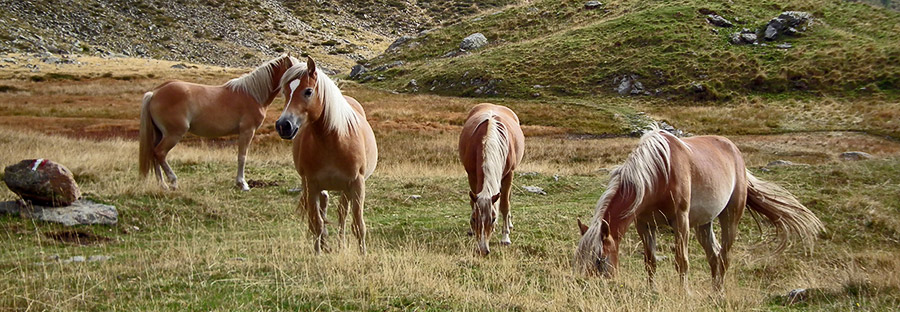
(685, 183)
(175, 108)
(491, 145)
(334, 149)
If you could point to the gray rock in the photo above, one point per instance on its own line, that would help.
(357, 70)
(295, 190)
(718, 21)
(629, 84)
(9, 60)
(852, 156)
(787, 23)
(395, 46)
(780, 163)
(42, 181)
(534, 189)
(784, 46)
(590, 5)
(473, 42)
(736, 38)
(179, 66)
(748, 38)
(76, 259)
(415, 197)
(79, 213)
(388, 66)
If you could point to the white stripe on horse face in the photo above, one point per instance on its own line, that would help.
(293, 85)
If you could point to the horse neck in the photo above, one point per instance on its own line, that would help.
(619, 214)
(275, 89)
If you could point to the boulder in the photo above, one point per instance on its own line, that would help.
(42, 182)
(357, 70)
(717, 20)
(851, 156)
(81, 212)
(395, 46)
(473, 42)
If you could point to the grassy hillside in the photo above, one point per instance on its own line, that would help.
(238, 32)
(561, 48)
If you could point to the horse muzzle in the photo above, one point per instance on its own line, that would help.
(286, 129)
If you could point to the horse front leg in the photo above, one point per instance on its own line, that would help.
(647, 230)
(244, 140)
(316, 222)
(505, 188)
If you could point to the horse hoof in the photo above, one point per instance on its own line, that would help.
(506, 242)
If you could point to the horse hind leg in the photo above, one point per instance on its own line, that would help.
(343, 208)
(707, 239)
(729, 220)
(161, 151)
(505, 187)
(357, 201)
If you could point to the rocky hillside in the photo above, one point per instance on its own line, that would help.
(694, 49)
(224, 32)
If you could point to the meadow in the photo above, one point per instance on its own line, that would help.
(209, 246)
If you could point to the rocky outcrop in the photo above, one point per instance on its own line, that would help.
(787, 23)
(42, 182)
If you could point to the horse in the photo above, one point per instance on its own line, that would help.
(176, 107)
(333, 147)
(491, 145)
(685, 183)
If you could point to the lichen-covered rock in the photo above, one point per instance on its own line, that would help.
(81, 212)
(473, 42)
(42, 182)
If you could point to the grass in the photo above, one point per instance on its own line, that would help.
(669, 45)
(208, 246)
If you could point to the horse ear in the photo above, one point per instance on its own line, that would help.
(583, 228)
(604, 228)
(495, 198)
(311, 67)
(472, 196)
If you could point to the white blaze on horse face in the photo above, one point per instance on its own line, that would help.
(293, 85)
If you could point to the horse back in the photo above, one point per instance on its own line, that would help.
(473, 132)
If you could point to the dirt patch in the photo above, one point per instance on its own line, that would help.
(77, 237)
(262, 183)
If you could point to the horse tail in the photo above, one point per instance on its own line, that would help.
(149, 138)
(787, 214)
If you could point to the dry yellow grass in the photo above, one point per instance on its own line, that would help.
(208, 246)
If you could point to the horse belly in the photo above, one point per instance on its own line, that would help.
(707, 203)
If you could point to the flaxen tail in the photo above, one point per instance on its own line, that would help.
(149, 138)
(789, 216)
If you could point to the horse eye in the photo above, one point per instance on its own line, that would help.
(307, 93)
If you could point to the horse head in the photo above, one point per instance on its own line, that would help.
(597, 253)
(484, 216)
(302, 103)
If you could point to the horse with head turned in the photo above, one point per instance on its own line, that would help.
(491, 146)
(334, 149)
(175, 108)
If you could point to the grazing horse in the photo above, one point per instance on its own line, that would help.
(237, 107)
(334, 148)
(491, 145)
(685, 183)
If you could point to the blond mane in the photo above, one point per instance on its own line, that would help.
(258, 83)
(339, 115)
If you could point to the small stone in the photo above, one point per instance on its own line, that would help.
(534, 189)
(241, 259)
(784, 46)
(796, 296)
(415, 197)
(718, 21)
(98, 258)
(853, 156)
(295, 190)
(590, 5)
(780, 163)
(76, 259)
(528, 174)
